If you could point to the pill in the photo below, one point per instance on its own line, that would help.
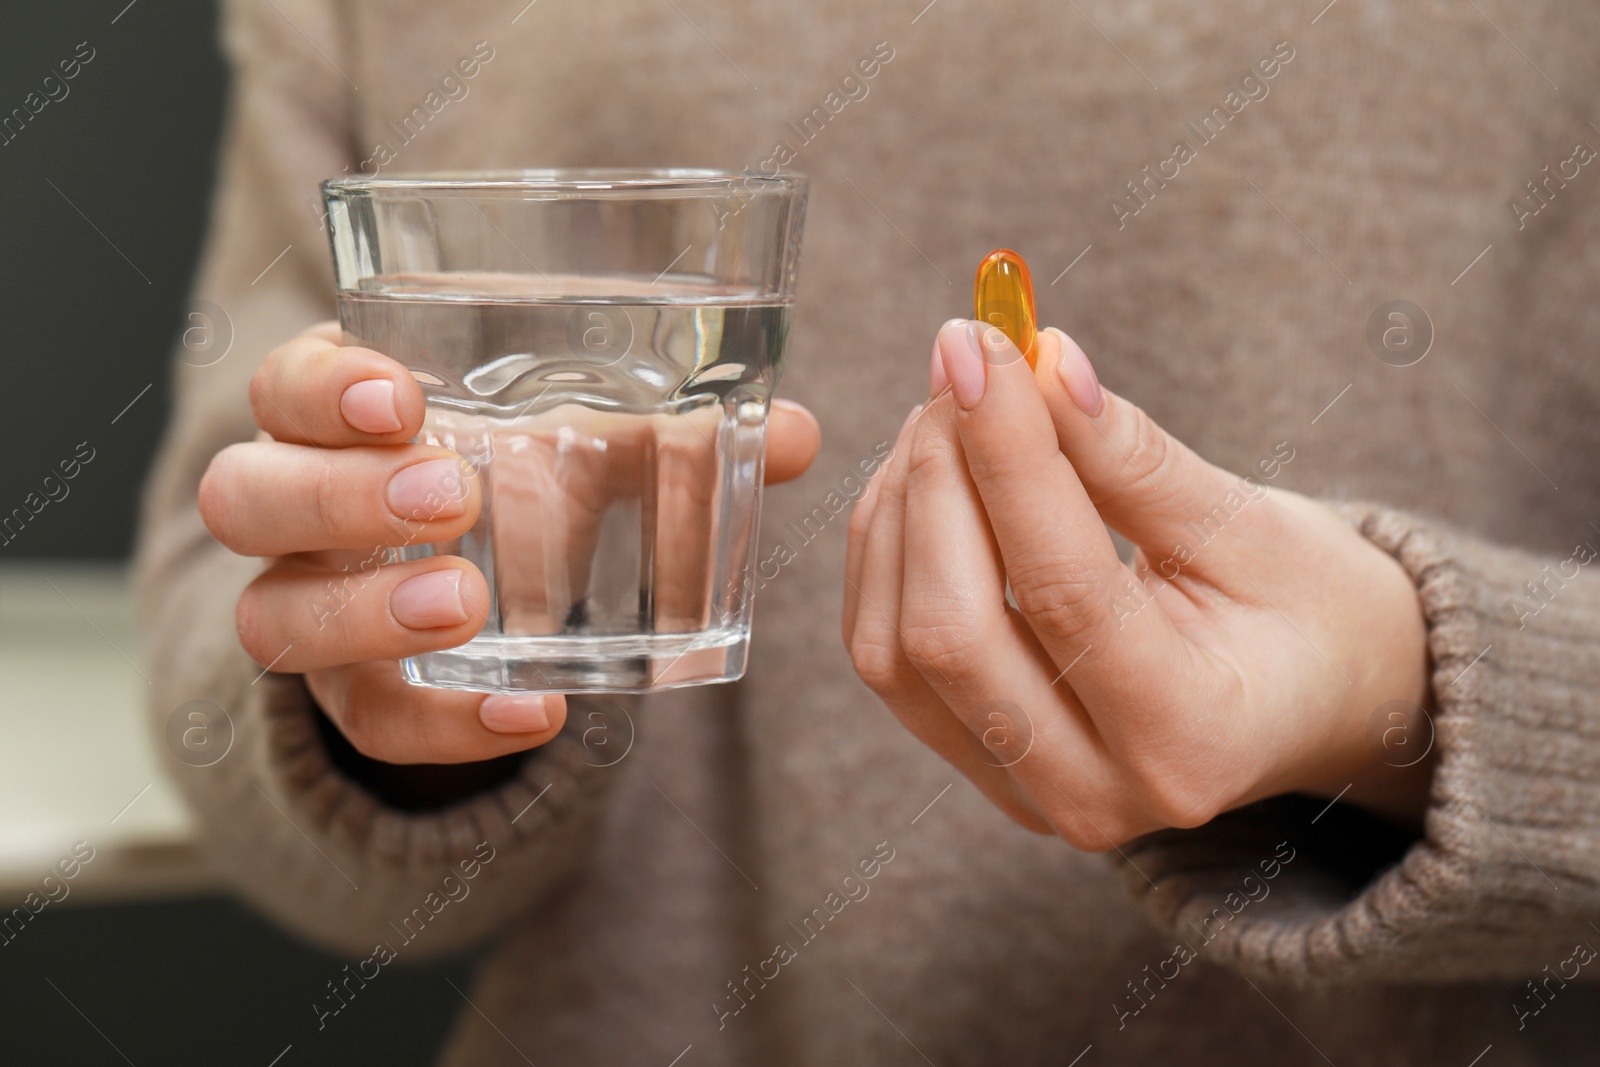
(1002, 295)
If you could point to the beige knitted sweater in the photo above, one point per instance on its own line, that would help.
(1215, 199)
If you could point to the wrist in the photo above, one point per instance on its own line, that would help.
(1384, 756)
(1394, 776)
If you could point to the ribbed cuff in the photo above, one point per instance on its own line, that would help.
(559, 777)
(1507, 873)
(319, 852)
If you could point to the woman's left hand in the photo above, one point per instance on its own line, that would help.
(1246, 652)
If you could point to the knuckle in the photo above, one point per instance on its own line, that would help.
(940, 637)
(859, 516)
(1177, 800)
(932, 451)
(1149, 450)
(1057, 594)
(285, 379)
(856, 528)
(1014, 469)
(1025, 818)
(1105, 831)
(876, 663)
(1031, 823)
(1078, 834)
(1022, 812)
(328, 494)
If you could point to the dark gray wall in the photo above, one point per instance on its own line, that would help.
(102, 201)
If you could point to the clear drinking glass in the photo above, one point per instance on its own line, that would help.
(601, 347)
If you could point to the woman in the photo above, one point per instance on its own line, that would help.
(1342, 755)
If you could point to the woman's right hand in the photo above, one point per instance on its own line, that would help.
(327, 486)
(331, 482)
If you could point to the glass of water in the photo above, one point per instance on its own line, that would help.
(601, 347)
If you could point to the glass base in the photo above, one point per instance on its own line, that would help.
(628, 663)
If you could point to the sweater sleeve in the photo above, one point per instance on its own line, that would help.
(285, 818)
(1505, 878)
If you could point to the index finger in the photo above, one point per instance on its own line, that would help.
(312, 391)
(1062, 567)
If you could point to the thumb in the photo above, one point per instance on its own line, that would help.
(1149, 486)
(793, 439)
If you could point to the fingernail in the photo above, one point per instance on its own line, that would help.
(1078, 377)
(369, 406)
(938, 381)
(429, 600)
(514, 713)
(435, 489)
(963, 361)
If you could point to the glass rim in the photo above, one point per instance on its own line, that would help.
(575, 182)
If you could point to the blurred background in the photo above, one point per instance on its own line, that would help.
(144, 960)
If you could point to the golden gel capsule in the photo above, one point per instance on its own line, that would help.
(1002, 295)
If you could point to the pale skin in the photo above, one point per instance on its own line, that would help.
(1254, 671)
(330, 478)
(1251, 670)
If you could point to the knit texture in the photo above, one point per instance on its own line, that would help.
(1385, 158)
(1506, 875)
